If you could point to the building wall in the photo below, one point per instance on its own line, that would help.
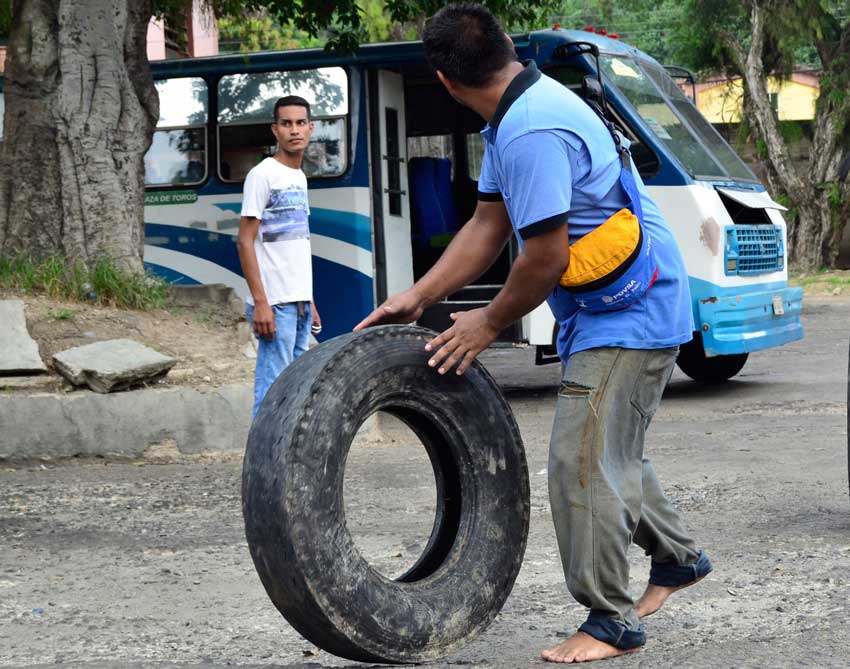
(156, 40)
(203, 32)
(720, 101)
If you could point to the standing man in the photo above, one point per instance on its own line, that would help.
(274, 247)
(552, 174)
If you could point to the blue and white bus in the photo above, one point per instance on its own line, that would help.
(393, 170)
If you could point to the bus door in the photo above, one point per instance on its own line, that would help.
(445, 150)
(391, 213)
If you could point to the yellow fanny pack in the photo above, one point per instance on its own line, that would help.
(612, 266)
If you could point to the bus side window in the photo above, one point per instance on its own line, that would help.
(178, 152)
(245, 114)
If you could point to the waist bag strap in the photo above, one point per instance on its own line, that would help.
(613, 265)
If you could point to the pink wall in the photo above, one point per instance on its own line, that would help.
(156, 40)
(203, 33)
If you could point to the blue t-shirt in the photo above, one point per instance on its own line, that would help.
(553, 162)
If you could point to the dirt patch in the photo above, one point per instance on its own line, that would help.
(210, 341)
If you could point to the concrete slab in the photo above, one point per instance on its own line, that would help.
(18, 351)
(33, 383)
(111, 365)
(125, 424)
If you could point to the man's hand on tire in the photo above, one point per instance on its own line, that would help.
(471, 334)
(405, 307)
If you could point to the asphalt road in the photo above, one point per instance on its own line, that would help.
(144, 564)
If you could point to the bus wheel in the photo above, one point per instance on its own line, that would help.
(716, 369)
(292, 499)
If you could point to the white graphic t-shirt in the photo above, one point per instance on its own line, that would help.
(277, 195)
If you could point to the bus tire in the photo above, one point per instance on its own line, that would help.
(702, 369)
(292, 499)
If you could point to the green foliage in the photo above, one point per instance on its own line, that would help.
(658, 27)
(377, 24)
(259, 31)
(344, 25)
(785, 201)
(5, 18)
(742, 135)
(835, 201)
(102, 282)
(62, 314)
(792, 131)
(513, 15)
(833, 195)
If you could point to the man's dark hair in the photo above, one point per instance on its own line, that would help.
(291, 101)
(466, 43)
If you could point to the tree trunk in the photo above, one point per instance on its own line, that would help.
(80, 113)
(814, 238)
(814, 235)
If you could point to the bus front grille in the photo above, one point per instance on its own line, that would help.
(754, 249)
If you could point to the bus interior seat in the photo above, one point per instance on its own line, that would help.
(434, 216)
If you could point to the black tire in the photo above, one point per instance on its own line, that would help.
(292, 499)
(716, 369)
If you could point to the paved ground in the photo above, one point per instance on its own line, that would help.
(139, 564)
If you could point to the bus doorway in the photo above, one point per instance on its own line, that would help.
(444, 152)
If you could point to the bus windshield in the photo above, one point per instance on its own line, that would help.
(674, 119)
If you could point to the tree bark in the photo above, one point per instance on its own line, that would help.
(80, 112)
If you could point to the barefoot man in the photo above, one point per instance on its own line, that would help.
(551, 174)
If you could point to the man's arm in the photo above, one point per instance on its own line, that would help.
(474, 248)
(316, 326)
(533, 276)
(263, 316)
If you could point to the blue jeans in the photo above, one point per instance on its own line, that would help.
(291, 339)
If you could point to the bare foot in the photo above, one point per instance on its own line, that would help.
(654, 597)
(581, 647)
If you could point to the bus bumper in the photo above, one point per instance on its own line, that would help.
(742, 322)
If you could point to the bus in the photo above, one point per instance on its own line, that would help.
(393, 168)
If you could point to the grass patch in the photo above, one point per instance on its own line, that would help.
(101, 282)
(825, 280)
(822, 281)
(61, 314)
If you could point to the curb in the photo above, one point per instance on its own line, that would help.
(124, 424)
(213, 419)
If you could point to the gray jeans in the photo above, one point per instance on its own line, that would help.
(603, 492)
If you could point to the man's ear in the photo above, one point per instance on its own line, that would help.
(445, 81)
